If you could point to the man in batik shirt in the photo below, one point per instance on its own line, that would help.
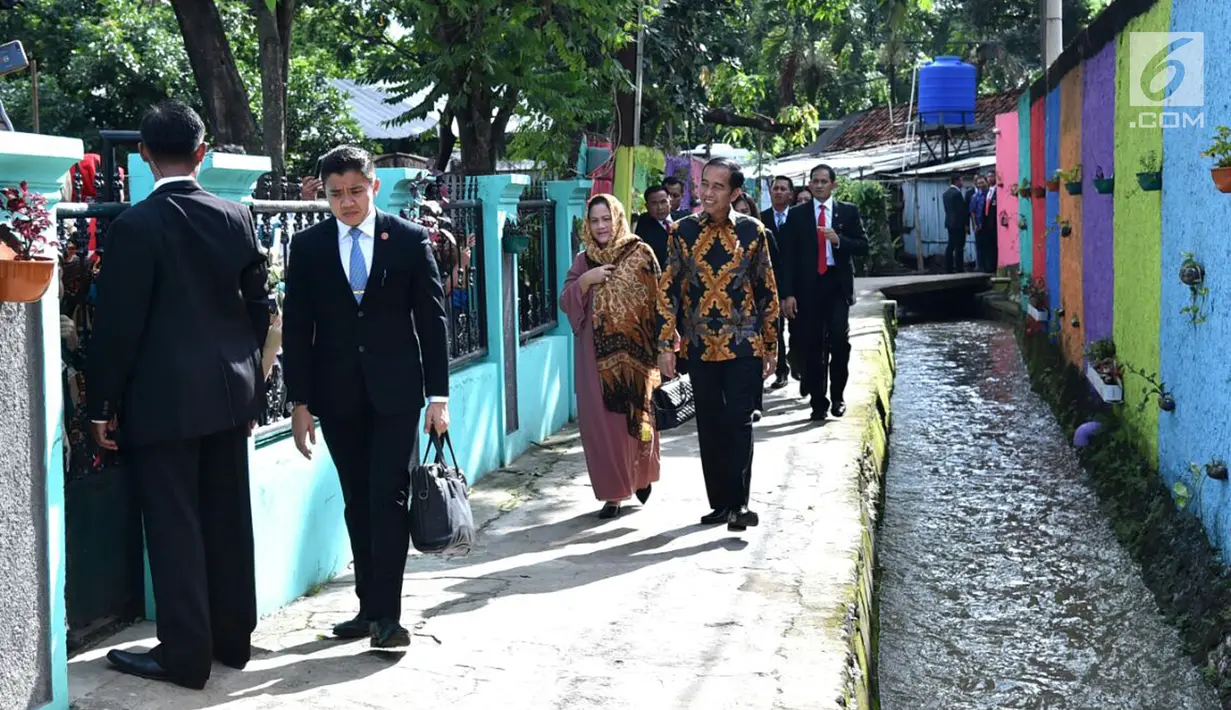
(718, 291)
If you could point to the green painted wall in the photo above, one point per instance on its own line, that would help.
(1137, 229)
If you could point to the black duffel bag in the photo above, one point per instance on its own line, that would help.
(673, 403)
(439, 509)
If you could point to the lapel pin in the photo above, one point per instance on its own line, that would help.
(384, 235)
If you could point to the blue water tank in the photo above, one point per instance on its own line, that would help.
(947, 88)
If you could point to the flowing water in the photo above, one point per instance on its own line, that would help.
(1002, 585)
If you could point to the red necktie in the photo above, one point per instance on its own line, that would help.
(822, 264)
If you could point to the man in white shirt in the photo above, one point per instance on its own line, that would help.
(365, 344)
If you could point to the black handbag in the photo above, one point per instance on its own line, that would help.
(439, 508)
(673, 403)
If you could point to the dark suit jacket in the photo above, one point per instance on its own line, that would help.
(957, 209)
(342, 358)
(652, 232)
(181, 316)
(800, 251)
(775, 252)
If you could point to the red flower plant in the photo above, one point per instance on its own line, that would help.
(28, 221)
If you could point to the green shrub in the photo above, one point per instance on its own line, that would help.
(873, 202)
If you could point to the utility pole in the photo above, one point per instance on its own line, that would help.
(1052, 32)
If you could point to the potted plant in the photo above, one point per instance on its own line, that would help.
(1021, 221)
(1036, 300)
(1040, 191)
(1072, 179)
(1013, 189)
(1192, 275)
(1103, 371)
(1220, 151)
(1216, 469)
(26, 272)
(1154, 386)
(1103, 185)
(514, 240)
(1004, 218)
(1023, 188)
(1053, 185)
(1066, 228)
(1150, 177)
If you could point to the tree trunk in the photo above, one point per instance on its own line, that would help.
(786, 79)
(626, 100)
(213, 66)
(446, 140)
(274, 68)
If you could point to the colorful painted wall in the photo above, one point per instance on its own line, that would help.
(1007, 171)
(1116, 273)
(1192, 355)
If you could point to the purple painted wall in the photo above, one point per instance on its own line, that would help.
(1098, 113)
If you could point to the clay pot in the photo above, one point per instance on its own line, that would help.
(25, 281)
(1222, 179)
(1053, 186)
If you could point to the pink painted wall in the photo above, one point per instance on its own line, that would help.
(1006, 172)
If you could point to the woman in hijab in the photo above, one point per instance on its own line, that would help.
(609, 296)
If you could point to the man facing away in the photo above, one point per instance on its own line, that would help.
(655, 223)
(718, 290)
(818, 287)
(957, 220)
(781, 194)
(175, 365)
(363, 339)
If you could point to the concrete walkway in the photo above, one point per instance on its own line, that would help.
(557, 609)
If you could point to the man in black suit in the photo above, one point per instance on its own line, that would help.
(174, 381)
(655, 223)
(781, 194)
(363, 340)
(675, 190)
(957, 219)
(818, 287)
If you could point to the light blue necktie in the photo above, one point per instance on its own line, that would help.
(358, 270)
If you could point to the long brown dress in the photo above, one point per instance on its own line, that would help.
(619, 463)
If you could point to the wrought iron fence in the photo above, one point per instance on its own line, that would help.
(536, 267)
(277, 221)
(82, 232)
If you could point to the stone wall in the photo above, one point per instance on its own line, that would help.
(25, 678)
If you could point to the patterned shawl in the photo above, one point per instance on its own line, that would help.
(624, 320)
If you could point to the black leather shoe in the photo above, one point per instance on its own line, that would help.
(356, 628)
(756, 415)
(389, 634)
(839, 408)
(145, 665)
(742, 519)
(644, 494)
(818, 416)
(779, 382)
(609, 511)
(718, 515)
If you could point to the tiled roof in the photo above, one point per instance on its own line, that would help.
(872, 127)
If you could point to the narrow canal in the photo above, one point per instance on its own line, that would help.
(1002, 585)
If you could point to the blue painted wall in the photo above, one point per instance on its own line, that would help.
(1193, 357)
(1025, 240)
(475, 402)
(543, 393)
(1051, 160)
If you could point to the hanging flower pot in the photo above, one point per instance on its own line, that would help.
(1166, 402)
(1013, 189)
(1065, 229)
(1191, 272)
(1053, 185)
(1104, 186)
(1073, 188)
(1216, 470)
(1021, 222)
(1150, 181)
(1040, 192)
(25, 281)
(1004, 219)
(1222, 179)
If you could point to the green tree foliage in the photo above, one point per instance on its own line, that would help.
(103, 62)
(873, 202)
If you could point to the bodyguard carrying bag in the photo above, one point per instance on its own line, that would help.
(673, 403)
(439, 509)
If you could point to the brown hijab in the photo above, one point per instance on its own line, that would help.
(623, 318)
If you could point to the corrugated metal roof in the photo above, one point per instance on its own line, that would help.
(873, 127)
(371, 109)
(957, 166)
